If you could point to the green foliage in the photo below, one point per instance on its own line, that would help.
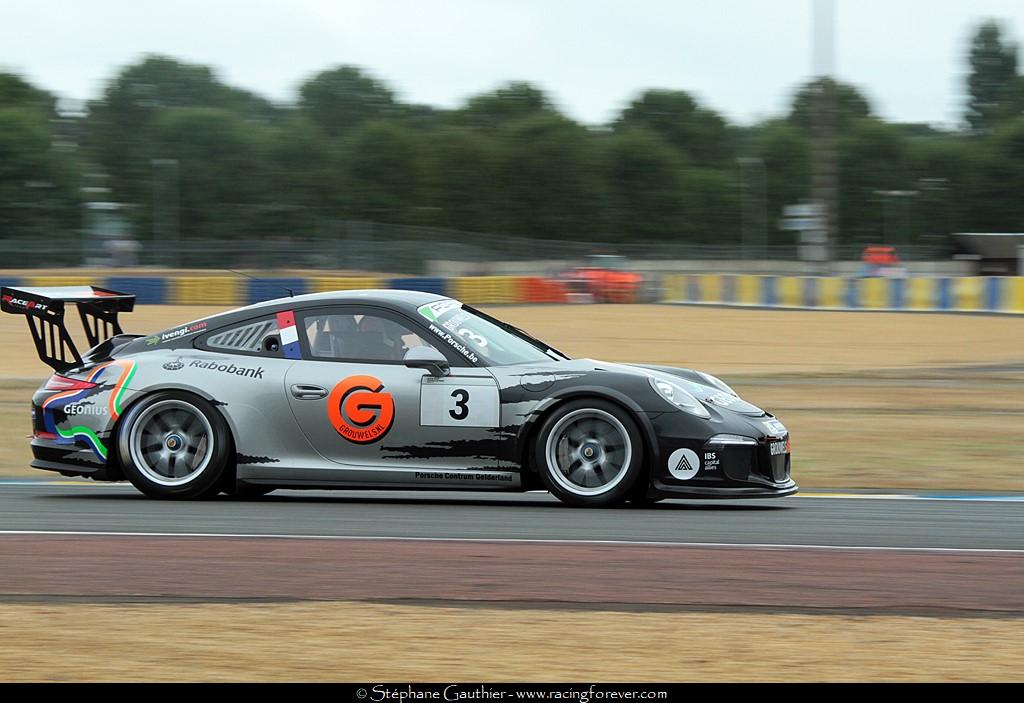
(38, 185)
(696, 132)
(461, 168)
(15, 92)
(992, 77)
(548, 179)
(119, 125)
(341, 99)
(169, 136)
(383, 166)
(848, 104)
(872, 160)
(646, 186)
(995, 204)
(221, 186)
(510, 102)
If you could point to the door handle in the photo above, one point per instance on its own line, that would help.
(307, 391)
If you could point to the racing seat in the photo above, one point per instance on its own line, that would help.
(333, 336)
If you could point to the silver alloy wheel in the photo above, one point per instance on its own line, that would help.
(588, 452)
(171, 442)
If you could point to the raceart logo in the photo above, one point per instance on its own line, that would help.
(359, 410)
(27, 304)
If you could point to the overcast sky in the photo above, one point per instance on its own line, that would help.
(741, 57)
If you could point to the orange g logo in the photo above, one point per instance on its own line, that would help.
(358, 410)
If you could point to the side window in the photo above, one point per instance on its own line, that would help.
(352, 336)
(259, 336)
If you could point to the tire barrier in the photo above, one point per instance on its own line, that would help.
(982, 294)
(959, 294)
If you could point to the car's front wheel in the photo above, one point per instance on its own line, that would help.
(174, 445)
(589, 453)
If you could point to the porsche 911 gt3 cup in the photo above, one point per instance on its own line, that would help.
(379, 389)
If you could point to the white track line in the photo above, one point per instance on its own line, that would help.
(832, 495)
(512, 540)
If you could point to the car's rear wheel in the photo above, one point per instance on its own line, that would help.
(174, 445)
(589, 453)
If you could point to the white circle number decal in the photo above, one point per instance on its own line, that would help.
(683, 464)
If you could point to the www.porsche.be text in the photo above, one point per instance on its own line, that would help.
(457, 692)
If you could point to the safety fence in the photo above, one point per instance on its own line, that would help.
(959, 294)
(963, 294)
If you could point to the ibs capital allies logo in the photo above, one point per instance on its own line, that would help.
(359, 409)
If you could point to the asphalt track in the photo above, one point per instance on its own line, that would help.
(858, 554)
(857, 521)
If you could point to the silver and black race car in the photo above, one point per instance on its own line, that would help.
(379, 389)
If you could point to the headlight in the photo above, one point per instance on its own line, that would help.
(732, 439)
(678, 396)
(718, 383)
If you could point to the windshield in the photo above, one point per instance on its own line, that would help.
(477, 338)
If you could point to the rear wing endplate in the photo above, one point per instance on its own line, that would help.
(43, 308)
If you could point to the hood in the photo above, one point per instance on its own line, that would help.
(700, 385)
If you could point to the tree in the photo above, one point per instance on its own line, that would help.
(995, 202)
(645, 186)
(462, 170)
(342, 99)
(942, 170)
(383, 164)
(850, 105)
(302, 173)
(785, 151)
(118, 124)
(872, 160)
(222, 186)
(16, 92)
(548, 179)
(993, 71)
(38, 193)
(700, 134)
(513, 101)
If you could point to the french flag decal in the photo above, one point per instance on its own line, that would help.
(289, 335)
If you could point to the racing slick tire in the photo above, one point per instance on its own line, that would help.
(589, 453)
(174, 445)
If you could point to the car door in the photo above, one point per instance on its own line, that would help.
(360, 406)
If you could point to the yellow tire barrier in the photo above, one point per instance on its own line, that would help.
(325, 284)
(486, 289)
(49, 281)
(207, 290)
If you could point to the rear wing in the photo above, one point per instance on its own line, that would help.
(43, 308)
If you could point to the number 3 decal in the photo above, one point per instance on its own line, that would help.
(461, 410)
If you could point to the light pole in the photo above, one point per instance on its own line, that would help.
(172, 218)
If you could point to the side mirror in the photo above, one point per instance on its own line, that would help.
(429, 359)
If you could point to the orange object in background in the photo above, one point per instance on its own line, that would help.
(608, 286)
(880, 256)
(534, 289)
(605, 279)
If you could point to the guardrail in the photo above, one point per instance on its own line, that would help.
(963, 294)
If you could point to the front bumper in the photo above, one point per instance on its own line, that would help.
(688, 468)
